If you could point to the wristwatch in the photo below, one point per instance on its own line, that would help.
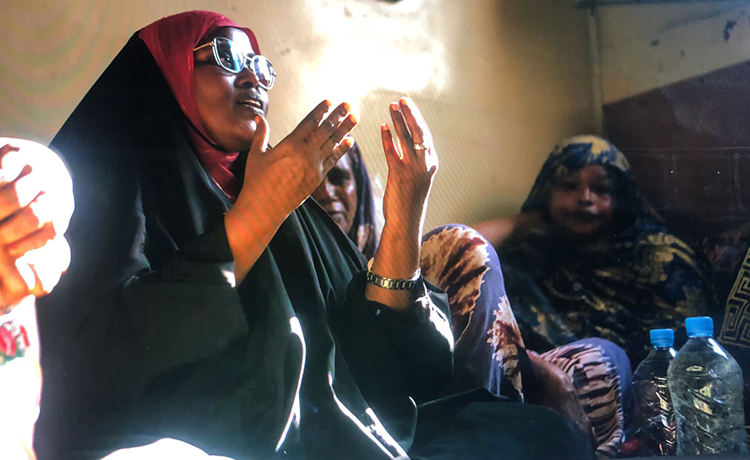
(392, 284)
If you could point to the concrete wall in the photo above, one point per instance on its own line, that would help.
(644, 47)
(499, 81)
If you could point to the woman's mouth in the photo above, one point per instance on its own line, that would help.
(585, 217)
(252, 104)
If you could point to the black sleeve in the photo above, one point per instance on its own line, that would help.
(159, 320)
(188, 308)
(397, 354)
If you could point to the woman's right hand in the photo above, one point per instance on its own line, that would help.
(278, 180)
(287, 174)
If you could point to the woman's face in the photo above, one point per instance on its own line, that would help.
(337, 194)
(583, 203)
(227, 102)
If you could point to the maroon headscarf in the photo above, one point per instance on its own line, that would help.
(171, 41)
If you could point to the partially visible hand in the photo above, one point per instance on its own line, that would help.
(36, 203)
(556, 391)
(288, 173)
(412, 164)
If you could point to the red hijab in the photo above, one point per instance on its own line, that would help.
(171, 41)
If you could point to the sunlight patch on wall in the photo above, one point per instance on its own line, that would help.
(385, 45)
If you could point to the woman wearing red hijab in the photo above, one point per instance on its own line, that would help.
(209, 301)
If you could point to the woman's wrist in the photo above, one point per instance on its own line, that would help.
(250, 225)
(397, 258)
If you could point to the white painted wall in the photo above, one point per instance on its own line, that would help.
(500, 81)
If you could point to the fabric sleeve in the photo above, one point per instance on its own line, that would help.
(148, 320)
(187, 309)
(394, 353)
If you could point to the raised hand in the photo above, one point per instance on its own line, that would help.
(36, 203)
(412, 164)
(278, 180)
(289, 172)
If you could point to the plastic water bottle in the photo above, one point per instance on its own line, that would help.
(656, 419)
(706, 386)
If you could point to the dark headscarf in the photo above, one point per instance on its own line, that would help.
(364, 232)
(618, 286)
(149, 336)
(171, 41)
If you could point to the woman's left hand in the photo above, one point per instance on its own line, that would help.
(412, 165)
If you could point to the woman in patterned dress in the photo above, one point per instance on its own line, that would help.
(580, 380)
(588, 257)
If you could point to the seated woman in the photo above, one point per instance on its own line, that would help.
(588, 257)
(208, 301)
(489, 351)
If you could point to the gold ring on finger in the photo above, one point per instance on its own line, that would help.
(421, 146)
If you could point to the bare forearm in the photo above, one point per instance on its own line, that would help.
(397, 257)
(250, 227)
(498, 230)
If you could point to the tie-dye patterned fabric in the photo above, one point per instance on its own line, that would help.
(489, 350)
(488, 345)
(616, 287)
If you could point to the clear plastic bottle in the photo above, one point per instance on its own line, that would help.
(656, 418)
(706, 387)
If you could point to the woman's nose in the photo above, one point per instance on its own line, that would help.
(247, 77)
(585, 197)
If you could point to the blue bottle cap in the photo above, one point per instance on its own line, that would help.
(700, 326)
(662, 337)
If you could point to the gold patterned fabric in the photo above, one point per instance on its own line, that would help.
(617, 286)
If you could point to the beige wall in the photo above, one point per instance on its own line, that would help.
(643, 47)
(500, 81)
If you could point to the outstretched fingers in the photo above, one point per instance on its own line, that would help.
(343, 130)
(402, 133)
(329, 126)
(339, 151)
(311, 122)
(414, 120)
(389, 146)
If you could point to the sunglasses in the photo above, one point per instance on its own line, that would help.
(234, 58)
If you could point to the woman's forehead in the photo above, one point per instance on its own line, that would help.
(237, 36)
(589, 172)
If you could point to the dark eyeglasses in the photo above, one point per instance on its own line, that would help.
(233, 58)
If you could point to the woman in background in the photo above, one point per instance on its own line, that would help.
(588, 381)
(588, 257)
